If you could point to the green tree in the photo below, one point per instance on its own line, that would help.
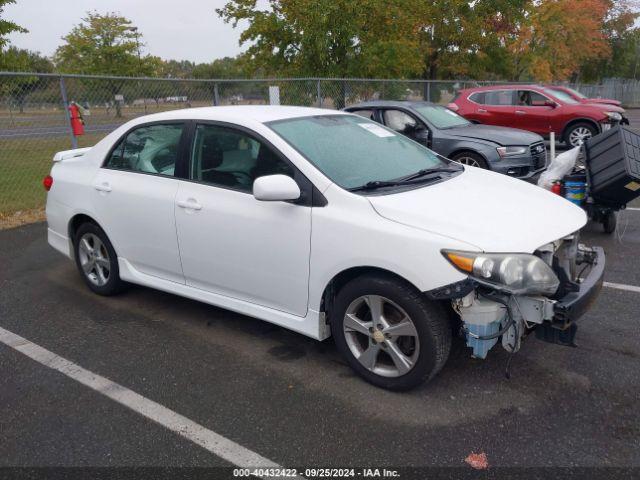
(106, 44)
(19, 88)
(7, 26)
(624, 41)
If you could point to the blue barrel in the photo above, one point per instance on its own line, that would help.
(575, 192)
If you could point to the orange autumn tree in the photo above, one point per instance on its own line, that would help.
(559, 37)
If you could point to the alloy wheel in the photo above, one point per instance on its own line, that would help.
(381, 336)
(94, 259)
(579, 135)
(472, 162)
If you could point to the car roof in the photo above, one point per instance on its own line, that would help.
(257, 113)
(501, 87)
(389, 103)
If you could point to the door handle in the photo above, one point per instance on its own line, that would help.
(520, 112)
(189, 204)
(482, 110)
(102, 187)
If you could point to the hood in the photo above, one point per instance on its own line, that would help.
(501, 135)
(494, 212)
(604, 107)
(606, 101)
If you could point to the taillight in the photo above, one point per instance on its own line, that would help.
(453, 106)
(47, 182)
(557, 188)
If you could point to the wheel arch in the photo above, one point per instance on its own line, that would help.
(340, 279)
(76, 221)
(466, 149)
(571, 123)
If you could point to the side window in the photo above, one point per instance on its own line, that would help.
(151, 149)
(477, 97)
(499, 98)
(529, 98)
(399, 121)
(230, 158)
(368, 114)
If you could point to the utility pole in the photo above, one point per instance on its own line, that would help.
(137, 35)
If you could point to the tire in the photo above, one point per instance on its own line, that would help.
(420, 351)
(609, 222)
(578, 132)
(96, 260)
(471, 159)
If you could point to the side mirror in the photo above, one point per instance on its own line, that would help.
(275, 188)
(550, 103)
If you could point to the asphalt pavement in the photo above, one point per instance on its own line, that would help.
(294, 400)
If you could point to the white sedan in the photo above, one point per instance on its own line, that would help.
(324, 223)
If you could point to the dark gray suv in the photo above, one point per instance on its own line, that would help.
(514, 152)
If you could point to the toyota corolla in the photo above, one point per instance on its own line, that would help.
(325, 223)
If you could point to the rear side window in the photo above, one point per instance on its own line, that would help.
(150, 149)
(231, 158)
(477, 97)
(499, 97)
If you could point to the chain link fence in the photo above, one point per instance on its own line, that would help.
(35, 123)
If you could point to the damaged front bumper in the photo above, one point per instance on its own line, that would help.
(491, 316)
(562, 328)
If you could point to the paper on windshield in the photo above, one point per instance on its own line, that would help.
(377, 130)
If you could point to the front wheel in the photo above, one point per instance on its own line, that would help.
(389, 333)
(470, 158)
(578, 133)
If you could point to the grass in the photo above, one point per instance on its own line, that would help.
(24, 162)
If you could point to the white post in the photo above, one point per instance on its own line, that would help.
(552, 140)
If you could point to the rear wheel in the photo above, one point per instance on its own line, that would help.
(470, 158)
(578, 133)
(96, 260)
(389, 333)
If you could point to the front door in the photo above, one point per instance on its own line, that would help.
(406, 124)
(232, 244)
(133, 196)
(533, 112)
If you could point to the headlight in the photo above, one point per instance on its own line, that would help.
(511, 151)
(614, 116)
(512, 272)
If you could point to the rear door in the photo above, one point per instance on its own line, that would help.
(232, 244)
(134, 195)
(493, 107)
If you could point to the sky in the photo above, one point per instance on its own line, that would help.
(180, 30)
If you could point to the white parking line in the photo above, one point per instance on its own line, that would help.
(211, 441)
(633, 209)
(621, 286)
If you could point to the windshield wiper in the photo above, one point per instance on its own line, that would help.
(375, 184)
(412, 179)
(428, 171)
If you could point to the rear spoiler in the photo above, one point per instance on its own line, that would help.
(67, 154)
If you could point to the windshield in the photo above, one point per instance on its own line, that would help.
(563, 97)
(576, 93)
(441, 117)
(353, 151)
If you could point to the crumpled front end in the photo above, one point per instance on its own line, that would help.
(490, 315)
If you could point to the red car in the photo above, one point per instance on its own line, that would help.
(576, 95)
(537, 109)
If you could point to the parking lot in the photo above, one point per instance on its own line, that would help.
(250, 388)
